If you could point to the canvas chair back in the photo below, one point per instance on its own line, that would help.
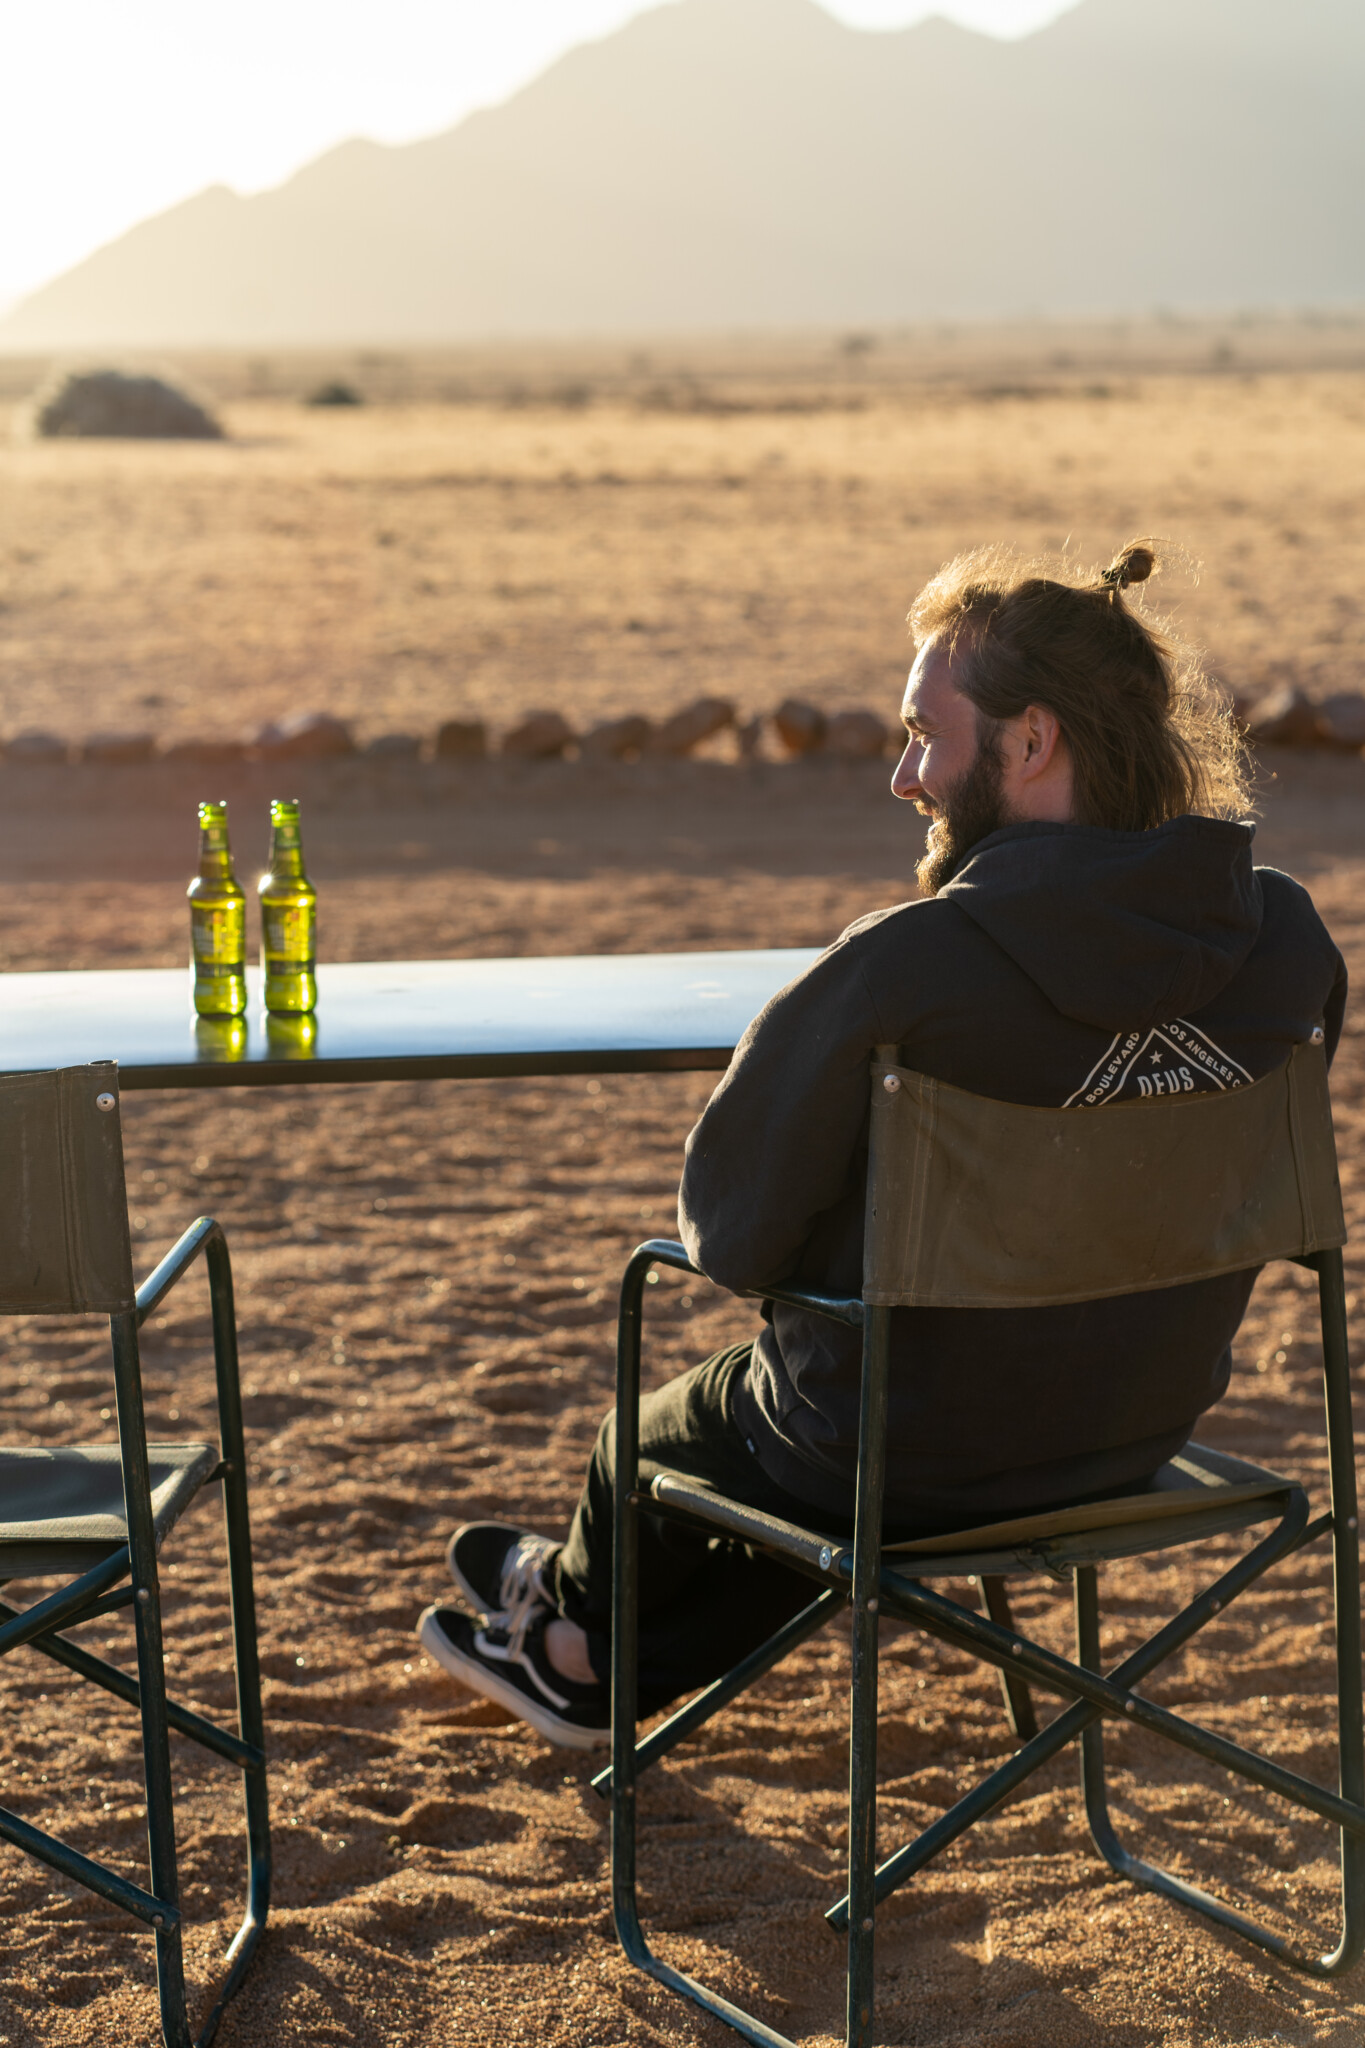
(974, 1203)
(64, 1246)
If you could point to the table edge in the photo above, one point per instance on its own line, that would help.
(422, 1067)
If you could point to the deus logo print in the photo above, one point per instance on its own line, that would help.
(1170, 1059)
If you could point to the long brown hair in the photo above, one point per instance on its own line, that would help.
(1148, 736)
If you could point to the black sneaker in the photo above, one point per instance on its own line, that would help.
(512, 1668)
(504, 1574)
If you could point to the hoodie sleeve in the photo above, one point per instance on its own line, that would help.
(775, 1144)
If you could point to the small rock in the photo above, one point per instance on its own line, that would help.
(541, 736)
(687, 729)
(394, 746)
(462, 739)
(117, 749)
(334, 392)
(1342, 718)
(305, 736)
(205, 750)
(800, 727)
(35, 746)
(1287, 718)
(857, 736)
(110, 404)
(617, 737)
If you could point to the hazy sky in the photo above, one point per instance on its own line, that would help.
(113, 109)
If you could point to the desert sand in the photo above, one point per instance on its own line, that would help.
(426, 1273)
(630, 531)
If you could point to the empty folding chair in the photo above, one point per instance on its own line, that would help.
(974, 1203)
(95, 1516)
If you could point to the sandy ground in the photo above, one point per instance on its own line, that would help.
(426, 1278)
(402, 564)
(426, 1274)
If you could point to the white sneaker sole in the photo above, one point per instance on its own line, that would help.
(476, 1675)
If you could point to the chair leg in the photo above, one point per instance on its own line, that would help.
(251, 1721)
(862, 1824)
(1336, 1373)
(246, 1648)
(1151, 1875)
(151, 1672)
(624, 1679)
(1344, 1525)
(862, 1771)
(1093, 1782)
(156, 1762)
(625, 1621)
(1019, 1708)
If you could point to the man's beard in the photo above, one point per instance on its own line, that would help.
(972, 808)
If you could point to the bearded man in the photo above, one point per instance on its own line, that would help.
(1091, 930)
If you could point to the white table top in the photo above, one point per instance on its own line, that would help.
(381, 1020)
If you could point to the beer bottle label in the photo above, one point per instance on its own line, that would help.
(289, 933)
(218, 938)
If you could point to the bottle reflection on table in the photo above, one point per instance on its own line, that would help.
(291, 1038)
(220, 1038)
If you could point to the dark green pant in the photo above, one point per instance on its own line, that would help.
(705, 1602)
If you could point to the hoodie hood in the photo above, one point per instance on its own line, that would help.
(1121, 930)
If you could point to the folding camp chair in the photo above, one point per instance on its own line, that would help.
(96, 1515)
(981, 1204)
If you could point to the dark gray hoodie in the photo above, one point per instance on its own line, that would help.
(1062, 965)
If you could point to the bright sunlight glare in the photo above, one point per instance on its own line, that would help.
(111, 113)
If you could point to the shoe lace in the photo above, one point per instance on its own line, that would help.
(522, 1595)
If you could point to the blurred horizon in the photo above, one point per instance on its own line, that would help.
(99, 131)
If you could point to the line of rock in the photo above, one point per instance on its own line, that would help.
(1289, 717)
(796, 728)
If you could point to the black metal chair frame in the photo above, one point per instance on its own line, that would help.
(861, 1573)
(102, 1590)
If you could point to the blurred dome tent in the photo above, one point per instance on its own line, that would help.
(334, 393)
(119, 405)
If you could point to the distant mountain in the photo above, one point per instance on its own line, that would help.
(727, 163)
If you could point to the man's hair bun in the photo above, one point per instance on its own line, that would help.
(1133, 564)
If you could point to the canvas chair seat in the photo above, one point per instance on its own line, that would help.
(1198, 1494)
(63, 1509)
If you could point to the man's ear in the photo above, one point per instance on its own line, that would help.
(1041, 737)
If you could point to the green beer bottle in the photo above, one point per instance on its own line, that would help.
(217, 922)
(289, 917)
